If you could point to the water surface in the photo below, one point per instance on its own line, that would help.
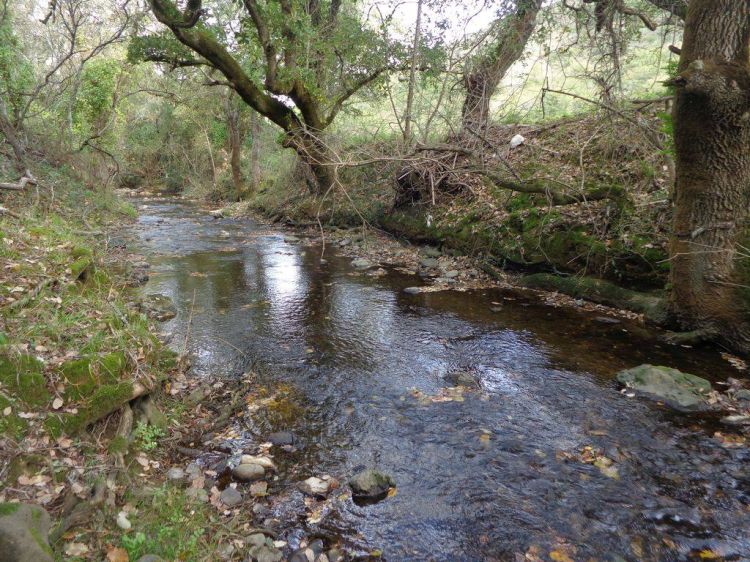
(489, 478)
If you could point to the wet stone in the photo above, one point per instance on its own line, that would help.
(315, 486)
(682, 391)
(362, 263)
(310, 553)
(370, 484)
(412, 290)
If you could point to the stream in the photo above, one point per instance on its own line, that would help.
(496, 476)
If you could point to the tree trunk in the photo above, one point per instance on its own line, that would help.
(12, 137)
(235, 147)
(484, 76)
(254, 152)
(412, 75)
(315, 153)
(710, 246)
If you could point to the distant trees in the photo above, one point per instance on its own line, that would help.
(510, 34)
(295, 62)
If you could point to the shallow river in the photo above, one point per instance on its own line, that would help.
(493, 477)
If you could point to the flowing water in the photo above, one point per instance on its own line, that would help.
(491, 477)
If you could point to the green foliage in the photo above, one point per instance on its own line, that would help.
(147, 436)
(16, 73)
(172, 526)
(93, 104)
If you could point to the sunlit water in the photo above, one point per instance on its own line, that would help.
(482, 479)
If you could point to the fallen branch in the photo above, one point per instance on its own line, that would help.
(4, 211)
(33, 294)
(27, 179)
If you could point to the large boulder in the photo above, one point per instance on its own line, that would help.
(24, 531)
(682, 391)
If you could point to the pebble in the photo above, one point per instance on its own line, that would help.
(175, 473)
(197, 494)
(230, 497)
(315, 486)
(248, 472)
(123, 522)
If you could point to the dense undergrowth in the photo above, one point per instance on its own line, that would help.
(621, 239)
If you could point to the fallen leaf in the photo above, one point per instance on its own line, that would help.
(118, 555)
(76, 549)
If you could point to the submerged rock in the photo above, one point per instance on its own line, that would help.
(461, 378)
(310, 553)
(370, 484)
(362, 263)
(682, 391)
(159, 307)
(24, 533)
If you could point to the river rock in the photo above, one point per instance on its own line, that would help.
(291, 239)
(412, 290)
(362, 263)
(461, 378)
(248, 472)
(265, 462)
(23, 533)
(175, 474)
(431, 252)
(265, 553)
(281, 438)
(217, 213)
(310, 553)
(230, 497)
(452, 274)
(316, 486)
(428, 263)
(743, 395)
(370, 484)
(682, 391)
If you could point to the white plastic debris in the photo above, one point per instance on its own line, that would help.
(517, 141)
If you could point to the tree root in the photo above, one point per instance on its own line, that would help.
(79, 512)
(653, 308)
(693, 337)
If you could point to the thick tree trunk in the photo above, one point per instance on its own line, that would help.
(710, 246)
(315, 153)
(484, 76)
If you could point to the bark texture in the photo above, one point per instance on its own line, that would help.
(710, 246)
(484, 76)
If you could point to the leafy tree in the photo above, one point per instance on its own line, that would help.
(295, 62)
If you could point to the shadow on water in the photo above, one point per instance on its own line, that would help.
(481, 479)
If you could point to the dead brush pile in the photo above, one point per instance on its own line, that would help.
(601, 178)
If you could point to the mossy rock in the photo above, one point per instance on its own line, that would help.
(105, 400)
(78, 252)
(11, 425)
(23, 376)
(82, 268)
(682, 391)
(83, 376)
